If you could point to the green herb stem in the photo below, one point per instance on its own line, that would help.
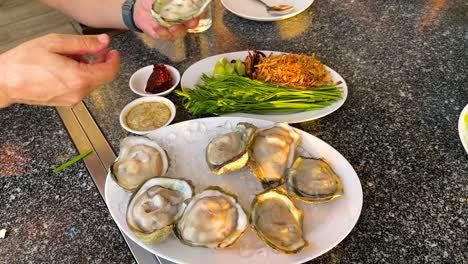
(72, 161)
(233, 93)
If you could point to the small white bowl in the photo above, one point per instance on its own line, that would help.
(463, 128)
(129, 106)
(139, 79)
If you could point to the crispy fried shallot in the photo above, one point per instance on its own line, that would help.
(293, 70)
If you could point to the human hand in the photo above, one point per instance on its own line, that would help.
(145, 21)
(47, 70)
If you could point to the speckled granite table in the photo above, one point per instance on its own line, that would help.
(49, 217)
(406, 66)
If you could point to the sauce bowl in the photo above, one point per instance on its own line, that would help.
(131, 111)
(139, 79)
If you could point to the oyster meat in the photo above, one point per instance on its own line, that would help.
(313, 180)
(213, 219)
(229, 152)
(154, 208)
(278, 222)
(272, 152)
(140, 159)
(170, 12)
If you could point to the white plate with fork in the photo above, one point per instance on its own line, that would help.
(254, 10)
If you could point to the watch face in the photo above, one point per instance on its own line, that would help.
(170, 12)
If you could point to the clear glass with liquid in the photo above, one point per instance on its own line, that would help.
(204, 24)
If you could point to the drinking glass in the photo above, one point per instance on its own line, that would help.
(204, 24)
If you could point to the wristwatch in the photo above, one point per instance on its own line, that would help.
(127, 15)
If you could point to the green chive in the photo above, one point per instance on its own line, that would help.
(232, 93)
(72, 161)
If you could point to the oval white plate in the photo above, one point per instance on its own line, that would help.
(139, 79)
(253, 10)
(463, 128)
(325, 225)
(192, 76)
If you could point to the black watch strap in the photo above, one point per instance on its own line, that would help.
(127, 15)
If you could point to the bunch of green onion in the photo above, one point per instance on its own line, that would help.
(233, 93)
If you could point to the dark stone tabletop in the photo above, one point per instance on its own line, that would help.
(50, 217)
(406, 66)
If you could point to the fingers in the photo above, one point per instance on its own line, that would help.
(172, 33)
(192, 23)
(87, 79)
(177, 31)
(145, 21)
(104, 72)
(152, 28)
(147, 4)
(74, 44)
(97, 57)
(204, 14)
(156, 31)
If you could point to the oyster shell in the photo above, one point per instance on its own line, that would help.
(229, 152)
(313, 180)
(170, 12)
(272, 152)
(140, 159)
(213, 219)
(156, 206)
(277, 221)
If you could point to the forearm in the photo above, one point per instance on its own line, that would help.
(4, 97)
(93, 13)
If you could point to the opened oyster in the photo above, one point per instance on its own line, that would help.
(140, 159)
(155, 207)
(313, 180)
(272, 152)
(170, 12)
(212, 219)
(229, 152)
(277, 221)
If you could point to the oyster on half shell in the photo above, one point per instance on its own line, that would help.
(229, 152)
(277, 221)
(313, 181)
(170, 12)
(272, 152)
(212, 219)
(140, 159)
(156, 206)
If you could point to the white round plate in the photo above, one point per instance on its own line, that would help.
(325, 225)
(253, 10)
(192, 75)
(139, 79)
(463, 128)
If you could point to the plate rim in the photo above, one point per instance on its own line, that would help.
(462, 128)
(353, 173)
(266, 19)
(290, 117)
